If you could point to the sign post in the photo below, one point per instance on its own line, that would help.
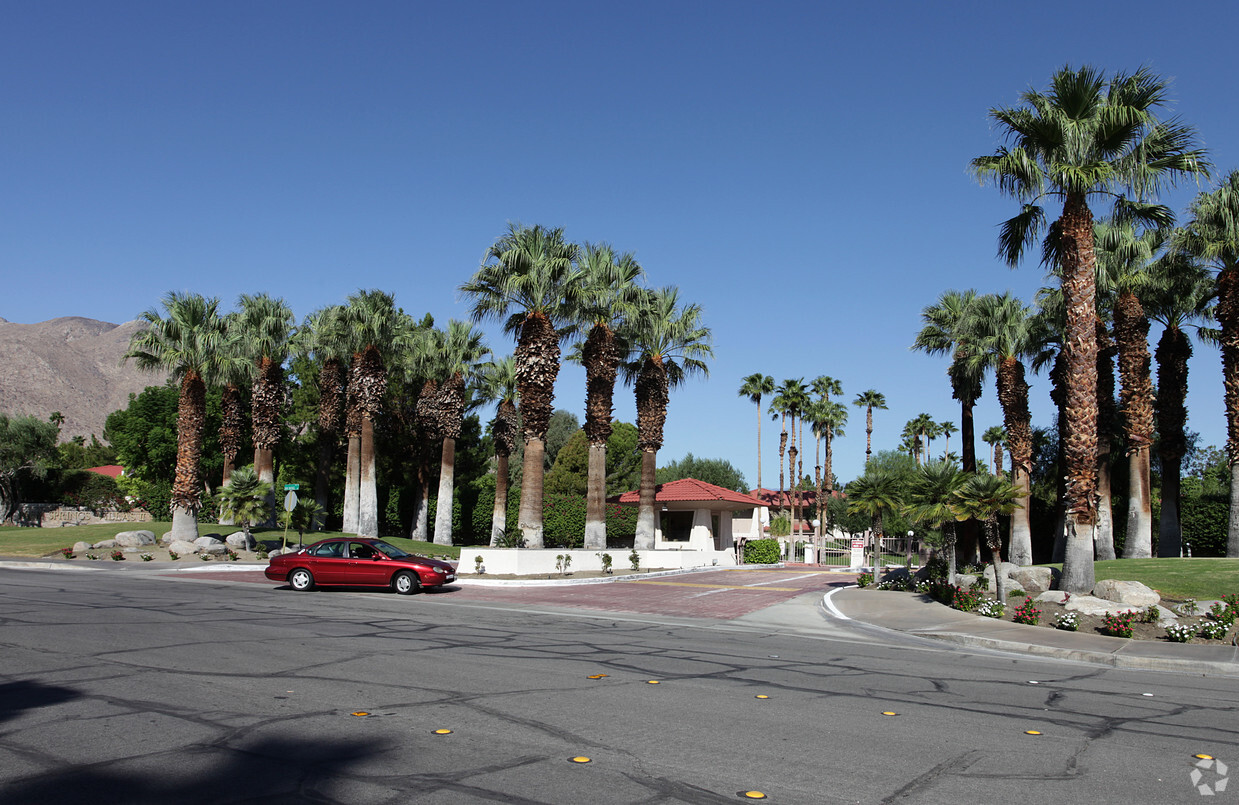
(290, 503)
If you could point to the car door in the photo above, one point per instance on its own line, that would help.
(328, 562)
(366, 566)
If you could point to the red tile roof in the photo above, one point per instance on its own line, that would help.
(110, 470)
(690, 489)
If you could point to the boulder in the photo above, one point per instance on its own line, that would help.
(965, 581)
(182, 548)
(107, 544)
(81, 547)
(895, 573)
(238, 542)
(135, 539)
(1090, 605)
(166, 539)
(1127, 593)
(210, 545)
(1034, 579)
(1007, 569)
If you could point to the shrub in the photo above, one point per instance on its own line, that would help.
(1150, 615)
(1188, 607)
(607, 561)
(864, 580)
(991, 609)
(966, 600)
(1118, 625)
(762, 552)
(1212, 630)
(1178, 633)
(1068, 621)
(1015, 593)
(118, 556)
(1027, 612)
(634, 559)
(1222, 613)
(780, 526)
(146, 557)
(173, 555)
(67, 553)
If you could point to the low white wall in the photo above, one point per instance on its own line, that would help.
(528, 562)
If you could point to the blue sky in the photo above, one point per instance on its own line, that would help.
(799, 169)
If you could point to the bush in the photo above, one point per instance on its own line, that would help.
(762, 552)
(1204, 521)
(966, 599)
(1068, 622)
(864, 580)
(1212, 630)
(1118, 625)
(1027, 612)
(1178, 633)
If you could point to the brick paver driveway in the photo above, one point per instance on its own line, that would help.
(722, 594)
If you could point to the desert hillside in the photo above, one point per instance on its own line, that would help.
(71, 365)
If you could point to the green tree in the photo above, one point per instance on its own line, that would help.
(717, 471)
(323, 340)
(1084, 137)
(931, 500)
(878, 493)
(27, 449)
(983, 497)
(754, 387)
(458, 352)
(498, 385)
(244, 501)
(869, 400)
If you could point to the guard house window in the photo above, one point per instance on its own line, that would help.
(677, 526)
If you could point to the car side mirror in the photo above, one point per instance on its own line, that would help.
(376, 557)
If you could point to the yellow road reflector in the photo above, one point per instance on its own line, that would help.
(889, 713)
(762, 696)
(754, 795)
(1032, 732)
(579, 759)
(1204, 757)
(443, 732)
(598, 676)
(652, 682)
(360, 713)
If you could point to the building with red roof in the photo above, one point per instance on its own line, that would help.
(110, 470)
(695, 515)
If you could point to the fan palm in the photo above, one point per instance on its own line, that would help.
(827, 419)
(1085, 136)
(668, 344)
(531, 282)
(946, 429)
(984, 497)
(995, 437)
(943, 334)
(931, 500)
(877, 493)
(190, 344)
(756, 386)
(498, 385)
(323, 338)
(459, 352)
(233, 376)
(266, 327)
(869, 400)
(244, 501)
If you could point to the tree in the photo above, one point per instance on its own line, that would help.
(827, 419)
(995, 437)
(1085, 136)
(983, 497)
(1212, 236)
(190, 345)
(790, 399)
(27, 449)
(668, 344)
(717, 471)
(869, 400)
(324, 338)
(756, 386)
(1001, 326)
(609, 297)
(266, 327)
(943, 333)
(233, 377)
(931, 500)
(946, 429)
(244, 501)
(531, 282)
(457, 353)
(498, 385)
(878, 493)
(559, 430)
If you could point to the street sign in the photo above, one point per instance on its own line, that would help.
(290, 487)
(290, 501)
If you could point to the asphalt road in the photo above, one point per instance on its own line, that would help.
(132, 688)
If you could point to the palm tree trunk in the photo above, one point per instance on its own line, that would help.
(421, 516)
(264, 468)
(499, 515)
(1013, 396)
(447, 486)
(1107, 416)
(187, 486)
(1169, 527)
(322, 478)
(367, 497)
(759, 446)
(1173, 352)
(1131, 330)
(530, 522)
(596, 499)
(1139, 544)
(645, 508)
(868, 433)
(1227, 314)
(352, 485)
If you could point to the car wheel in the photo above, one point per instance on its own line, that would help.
(405, 583)
(301, 580)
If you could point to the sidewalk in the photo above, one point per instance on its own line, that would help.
(916, 614)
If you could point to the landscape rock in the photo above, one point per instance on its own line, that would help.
(210, 545)
(182, 548)
(1007, 569)
(135, 539)
(81, 547)
(965, 581)
(895, 573)
(238, 542)
(1091, 605)
(1127, 593)
(106, 544)
(166, 539)
(1034, 579)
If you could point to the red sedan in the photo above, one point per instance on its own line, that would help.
(358, 562)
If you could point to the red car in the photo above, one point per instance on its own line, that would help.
(358, 562)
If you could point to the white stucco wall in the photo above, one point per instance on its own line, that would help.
(528, 562)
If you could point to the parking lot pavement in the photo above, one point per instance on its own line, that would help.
(719, 594)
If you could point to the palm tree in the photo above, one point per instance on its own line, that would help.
(244, 501)
(919, 426)
(824, 387)
(756, 386)
(232, 377)
(1002, 328)
(790, 399)
(943, 334)
(668, 343)
(266, 327)
(498, 385)
(459, 352)
(984, 497)
(995, 437)
(189, 344)
(534, 274)
(827, 419)
(609, 297)
(323, 338)
(931, 500)
(946, 429)
(876, 493)
(1085, 137)
(869, 400)
(778, 410)
(1212, 236)
(379, 332)
(1181, 293)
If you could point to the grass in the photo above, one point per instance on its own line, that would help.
(16, 541)
(1199, 578)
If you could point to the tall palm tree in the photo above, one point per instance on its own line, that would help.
(1002, 328)
(995, 437)
(946, 429)
(1180, 295)
(827, 419)
(920, 426)
(266, 327)
(790, 399)
(498, 385)
(668, 343)
(323, 338)
(1212, 237)
(459, 352)
(778, 410)
(380, 331)
(869, 400)
(756, 386)
(531, 282)
(942, 334)
(189, 344)
(984, 497)
(609, 297)
(931, 500)
(1085, 136)
(233, 377)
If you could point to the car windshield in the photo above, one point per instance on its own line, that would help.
(391, 551)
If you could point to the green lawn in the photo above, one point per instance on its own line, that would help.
(1199, 578)
(16, 541)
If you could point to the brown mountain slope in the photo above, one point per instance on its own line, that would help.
(71, 365)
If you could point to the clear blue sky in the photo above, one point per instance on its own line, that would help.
(799, 169)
